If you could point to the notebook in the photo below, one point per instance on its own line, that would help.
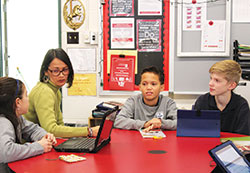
(91, 145)
(194, 123)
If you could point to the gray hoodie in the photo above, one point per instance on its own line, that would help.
(135, 113)
(10, 150)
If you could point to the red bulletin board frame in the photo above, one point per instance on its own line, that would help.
(165, 25)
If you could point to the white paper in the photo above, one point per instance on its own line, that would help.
(194, 15)
(150, 7)
(213, 36)
(122, 33)
(241, 11)
(152, 134)
(82, 59)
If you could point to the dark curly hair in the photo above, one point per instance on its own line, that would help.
(155, 70)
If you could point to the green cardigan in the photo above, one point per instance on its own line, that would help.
(44, 109)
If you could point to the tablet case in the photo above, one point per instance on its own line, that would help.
(194, 123)
(228, 158)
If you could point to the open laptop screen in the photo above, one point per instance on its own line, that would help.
(107, 127)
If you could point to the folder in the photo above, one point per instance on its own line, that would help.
(195, 123)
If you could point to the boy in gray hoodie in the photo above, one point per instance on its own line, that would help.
(150, 109)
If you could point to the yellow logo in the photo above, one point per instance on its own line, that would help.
(74, 13)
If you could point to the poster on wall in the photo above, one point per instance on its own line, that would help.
(83, 59)
(149, 35)
(122, 73)
(121, 7)
(241, 12)
(83, 84)
(213, 36)
(149, 7)
(126, 53)
(194, 14)
(122, 33)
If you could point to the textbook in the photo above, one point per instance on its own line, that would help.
(244, 46)
(242, 143)
(155, 134)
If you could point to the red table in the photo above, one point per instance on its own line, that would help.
(128, 152)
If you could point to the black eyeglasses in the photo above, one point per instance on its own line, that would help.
(57, 72)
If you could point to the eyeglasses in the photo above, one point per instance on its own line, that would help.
(57, 72)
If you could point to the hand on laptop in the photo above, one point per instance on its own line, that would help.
(95, 130)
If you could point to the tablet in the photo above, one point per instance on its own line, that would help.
(194, 123)
(228, 157)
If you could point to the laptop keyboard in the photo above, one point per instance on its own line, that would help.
(85, 143)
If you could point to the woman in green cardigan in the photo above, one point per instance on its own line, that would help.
(45, 98)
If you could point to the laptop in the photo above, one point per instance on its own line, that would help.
(198, 123)
(229, 158)
(91, 145)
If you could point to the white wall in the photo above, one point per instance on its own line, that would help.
(32, 30)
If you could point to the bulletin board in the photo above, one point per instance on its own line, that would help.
(145, 31)
(203, 28)
(191, 72)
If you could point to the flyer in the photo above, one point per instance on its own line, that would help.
(149, 35)
(122, 73)
(122, 33)
(121, 7)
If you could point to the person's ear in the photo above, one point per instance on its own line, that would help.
(162, 87)
(18, 103)
(232, 85)
(140, 87)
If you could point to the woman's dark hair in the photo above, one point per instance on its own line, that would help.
(50, 56)
(10, 90)
(153, 69)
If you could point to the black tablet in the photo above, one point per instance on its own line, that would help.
(228, 157)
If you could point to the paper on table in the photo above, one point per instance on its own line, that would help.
(152, 134)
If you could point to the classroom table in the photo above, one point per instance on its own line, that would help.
(129, 152)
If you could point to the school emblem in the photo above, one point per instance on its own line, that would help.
(74, 13)
(159, 115)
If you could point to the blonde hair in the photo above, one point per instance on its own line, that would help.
(229, 68)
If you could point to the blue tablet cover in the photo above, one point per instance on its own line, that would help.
(194, 123)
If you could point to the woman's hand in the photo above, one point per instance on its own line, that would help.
(95, 130)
